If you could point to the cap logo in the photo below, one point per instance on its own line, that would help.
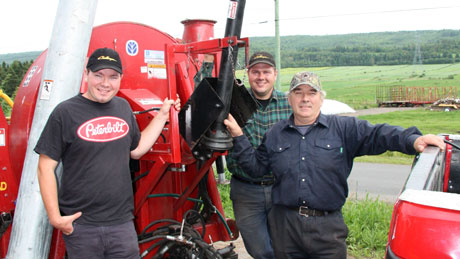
(106, 58)
(103, 129)
(260, 56)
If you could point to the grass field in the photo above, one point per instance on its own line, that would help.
(356, 86)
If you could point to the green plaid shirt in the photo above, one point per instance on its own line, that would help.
(261, 121)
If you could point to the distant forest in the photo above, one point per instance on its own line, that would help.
(360, 49)
(364, 49)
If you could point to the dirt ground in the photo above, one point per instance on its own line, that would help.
(239, 247)
(378, 111)
(241, 251)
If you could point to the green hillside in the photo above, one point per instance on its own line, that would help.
(364, 49)
(21, 56)
(359, 49)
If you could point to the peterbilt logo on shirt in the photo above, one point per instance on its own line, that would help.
(103, 129)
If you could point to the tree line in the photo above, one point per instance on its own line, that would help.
(363, 49)
(11, 76)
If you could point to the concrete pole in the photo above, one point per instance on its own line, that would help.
(62, 74)
(278, 45)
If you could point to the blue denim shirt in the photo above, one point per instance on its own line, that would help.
(312, 169)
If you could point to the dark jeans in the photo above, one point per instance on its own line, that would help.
(251, 206)
(297, 236)
(88, 242)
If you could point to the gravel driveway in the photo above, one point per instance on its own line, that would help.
(378, 111)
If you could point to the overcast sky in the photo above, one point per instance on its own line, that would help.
(26, 25)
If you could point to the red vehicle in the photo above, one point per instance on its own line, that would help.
(426, 216)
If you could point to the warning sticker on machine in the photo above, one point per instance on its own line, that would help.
(2, 137)
(46, 89)
(157, 71)
(29, 76)
(232, 6)
(154, 56)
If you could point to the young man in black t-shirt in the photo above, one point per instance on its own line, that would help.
(94, 135)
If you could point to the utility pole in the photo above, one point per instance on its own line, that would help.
(417, 63)
(62, 73)
(278, 45)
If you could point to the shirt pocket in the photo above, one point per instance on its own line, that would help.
(329, 153)
(280, 157)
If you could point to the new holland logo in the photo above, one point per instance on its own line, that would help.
(132, 48)
(103, 129)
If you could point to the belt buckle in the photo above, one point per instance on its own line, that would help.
(303, 214)
(267, 181)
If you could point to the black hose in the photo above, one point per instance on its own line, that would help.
(203, 223)
(145, 111)
(452, 144)
(157, 222)
(140, 176)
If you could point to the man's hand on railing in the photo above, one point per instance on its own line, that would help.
(423, 141)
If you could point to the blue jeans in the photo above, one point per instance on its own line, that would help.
(99, 242)
(251, 206)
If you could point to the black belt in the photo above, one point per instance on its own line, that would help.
(307, 212)
(264, 182)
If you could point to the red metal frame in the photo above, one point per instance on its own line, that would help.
(447, 166)
(8, 183)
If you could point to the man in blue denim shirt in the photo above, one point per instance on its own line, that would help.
(311, 156)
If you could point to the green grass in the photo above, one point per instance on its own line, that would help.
(356, 85)
(368, 224)
(426, 120)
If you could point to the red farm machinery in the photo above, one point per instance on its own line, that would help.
(178, 210)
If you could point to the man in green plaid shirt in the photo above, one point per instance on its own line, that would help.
(251, 197)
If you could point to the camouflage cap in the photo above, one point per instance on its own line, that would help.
(261, 57)
(305, 78)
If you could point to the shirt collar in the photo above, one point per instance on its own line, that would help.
(322, 119)
(275, 95)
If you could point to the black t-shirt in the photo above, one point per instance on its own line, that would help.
(94, 141)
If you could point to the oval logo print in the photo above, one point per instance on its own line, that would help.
(132, 48)
(103, 129)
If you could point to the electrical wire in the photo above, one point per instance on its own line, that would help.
(452, 144)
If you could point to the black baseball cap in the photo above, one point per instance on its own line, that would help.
(261, 57)
(104, 58)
